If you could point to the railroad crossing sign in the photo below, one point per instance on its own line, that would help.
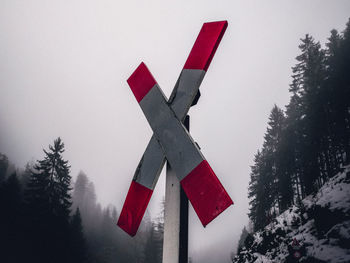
(171, 141)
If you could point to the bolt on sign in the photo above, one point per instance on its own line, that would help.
(171, 141)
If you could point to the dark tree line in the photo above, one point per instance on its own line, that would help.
(46, 218)
(309, 142)
(36, 220)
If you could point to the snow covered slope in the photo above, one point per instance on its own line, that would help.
(317, 231)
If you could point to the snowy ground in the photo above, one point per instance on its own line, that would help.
(320, 226)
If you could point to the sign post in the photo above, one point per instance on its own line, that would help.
(175, 244)
(187, 169)
(171, 240)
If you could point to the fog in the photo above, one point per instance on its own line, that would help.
(63, 71)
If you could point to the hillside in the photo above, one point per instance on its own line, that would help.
(318, 230)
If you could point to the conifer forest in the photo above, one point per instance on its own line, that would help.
(305, 154)
(309, 142)
(49, 218)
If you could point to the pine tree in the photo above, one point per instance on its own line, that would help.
(38, 212)
(48, 206)
(345, 45)
(338, 86)
(241, 240)
(90, 206)
(253, 190)
(292, 146)
(77, 240)
(281, 188)
(4, 163)
(308, 76)
(79, 189)
(270, 188)
(10, 220)
(259, 193)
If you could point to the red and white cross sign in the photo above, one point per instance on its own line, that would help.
(171, 139)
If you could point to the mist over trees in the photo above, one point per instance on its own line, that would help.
(105, 240)
(47, 218)
(309, 142)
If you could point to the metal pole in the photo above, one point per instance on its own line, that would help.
(183, 254)
(175, 244)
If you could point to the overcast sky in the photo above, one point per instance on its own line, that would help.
(63, 71)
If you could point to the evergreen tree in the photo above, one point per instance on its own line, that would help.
(4, 163)
(270, 187)
(291, 145)
(345, 93)
(10, 220)
(259, 193)
(77, 239)
(308, 76)
(241, 240)
(337, 85)
(38, 212)
(90, 208)
(279, 181)
(253, 190)
(79, 191)
(48, 206)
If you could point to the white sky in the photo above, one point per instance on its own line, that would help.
(63, 71)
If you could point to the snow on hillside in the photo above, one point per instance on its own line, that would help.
(316, 231)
